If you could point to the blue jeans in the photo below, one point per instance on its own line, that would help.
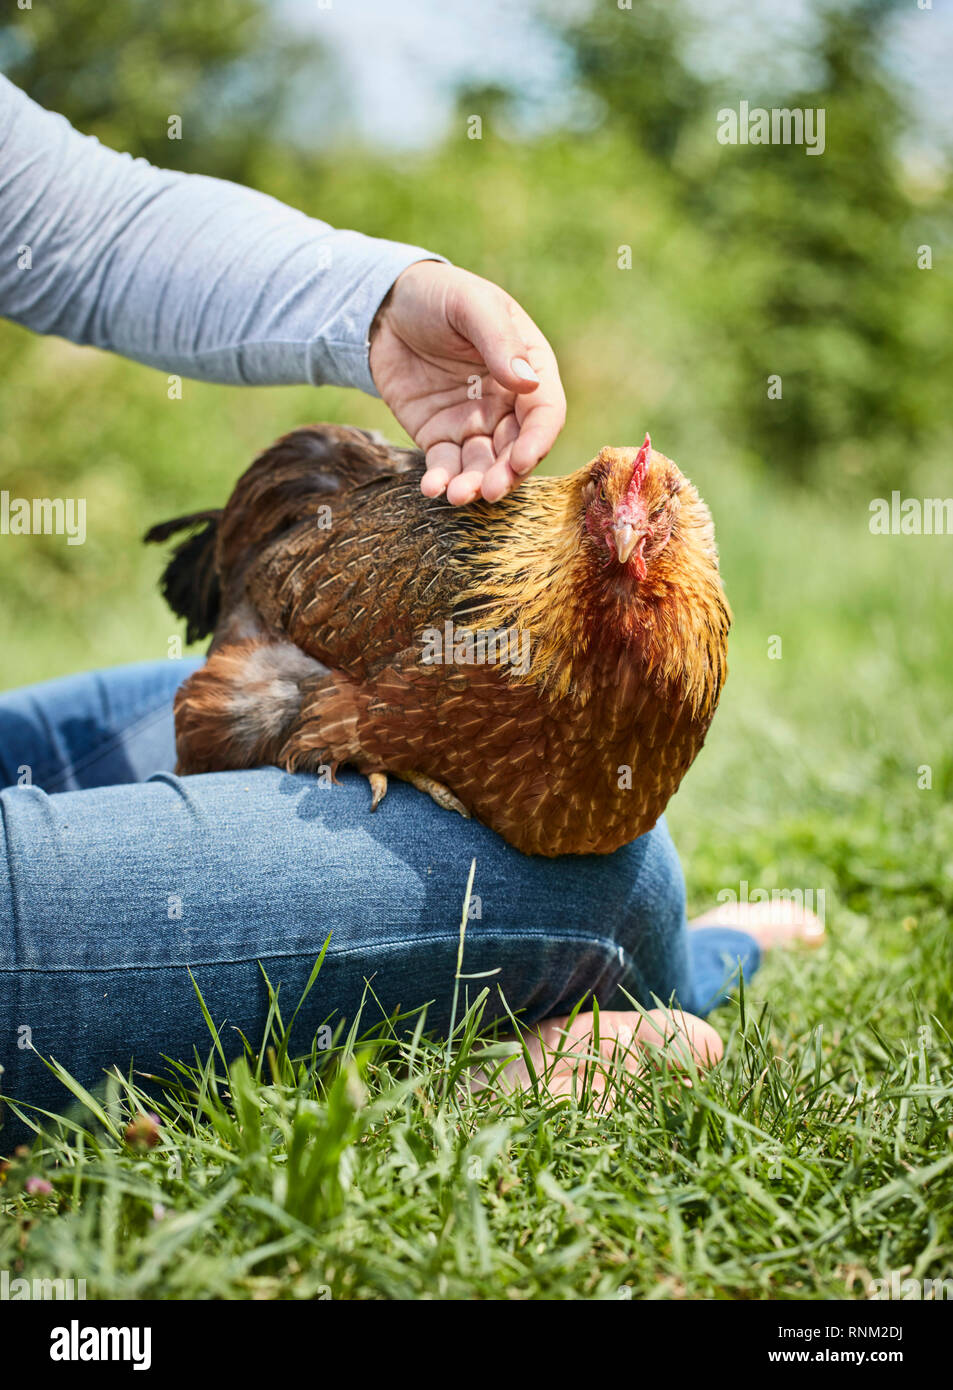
(117, 878)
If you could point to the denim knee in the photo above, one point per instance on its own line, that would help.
(651, 930)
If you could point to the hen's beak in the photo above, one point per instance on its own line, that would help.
(626, 538)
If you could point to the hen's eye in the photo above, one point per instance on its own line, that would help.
(602, 494)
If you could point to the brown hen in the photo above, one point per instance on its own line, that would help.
(549, 663)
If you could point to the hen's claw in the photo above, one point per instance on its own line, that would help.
(378, 781)
(443, 796)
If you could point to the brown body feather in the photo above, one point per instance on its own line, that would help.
(332, 566)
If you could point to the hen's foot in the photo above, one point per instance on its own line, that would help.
(442, 795)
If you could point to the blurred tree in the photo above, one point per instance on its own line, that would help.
(814, 257)
(836, 306)
(631, 60)
(121, 70)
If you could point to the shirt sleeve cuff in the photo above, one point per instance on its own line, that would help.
(339, 351)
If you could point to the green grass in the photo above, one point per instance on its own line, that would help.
(817, 1155)
(813, 1159)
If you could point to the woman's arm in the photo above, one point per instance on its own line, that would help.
(207, 279)
(189, 274)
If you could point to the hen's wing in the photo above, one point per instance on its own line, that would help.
(329, 537)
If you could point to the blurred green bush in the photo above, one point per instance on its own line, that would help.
(774, 263)
(745, 262)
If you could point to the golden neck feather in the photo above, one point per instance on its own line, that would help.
(536, 570)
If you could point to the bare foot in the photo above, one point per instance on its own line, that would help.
(559, 1050)
(771, 924)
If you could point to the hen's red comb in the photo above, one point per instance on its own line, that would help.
(641, 466)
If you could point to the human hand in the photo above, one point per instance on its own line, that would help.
(470, 377)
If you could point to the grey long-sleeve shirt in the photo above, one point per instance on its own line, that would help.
(193, 275)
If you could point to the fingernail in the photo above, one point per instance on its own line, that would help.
(433, 484)
(522, 369)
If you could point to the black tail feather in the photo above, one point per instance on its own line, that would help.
(190, 579)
